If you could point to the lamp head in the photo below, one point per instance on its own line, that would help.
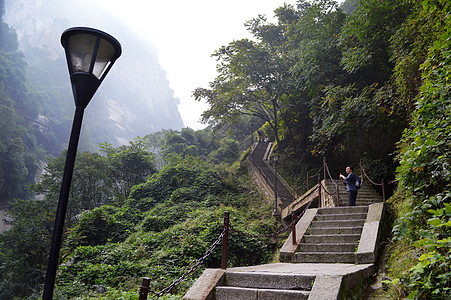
(90, 54)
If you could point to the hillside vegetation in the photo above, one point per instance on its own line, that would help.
(365, 81)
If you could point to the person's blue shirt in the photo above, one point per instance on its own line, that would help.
(350, 182)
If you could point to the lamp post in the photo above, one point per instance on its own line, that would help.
(276, 159)
(90, 54)
(252, 133)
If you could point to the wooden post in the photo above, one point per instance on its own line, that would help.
(338, 195)
(319, 191)
(144, 289)
(383, 190)
(225, 240)
(308, 183)
(293, 228)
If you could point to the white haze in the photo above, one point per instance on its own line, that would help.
(186, 33)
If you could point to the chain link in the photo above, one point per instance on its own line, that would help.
(166, 290)
(366, 175)
(393, 181)
(330, 176)
(327, 192)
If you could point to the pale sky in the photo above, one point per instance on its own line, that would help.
(186, 33)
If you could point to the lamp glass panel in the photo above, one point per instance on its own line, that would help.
(81, 49)
(105, 55)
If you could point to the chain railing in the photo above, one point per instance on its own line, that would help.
(382, 184)
(311, 177)
(337, 189)
(144, 290)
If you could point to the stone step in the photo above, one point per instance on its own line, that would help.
(334, 238)
(343, 210)
(337, 223)
(361, 192)
(269, 281)
(324, 257)
(348, 216)
(360, 203)
(326, 247)
(365, 192)
(335, 230)
(237, 293)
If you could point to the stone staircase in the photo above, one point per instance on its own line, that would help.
(332, 254)
(258, 159)
(333, 236)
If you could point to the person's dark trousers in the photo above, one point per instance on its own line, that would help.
(352, 196)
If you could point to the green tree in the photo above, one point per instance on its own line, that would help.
(22, 272)
(229, 152)
(353, 102)
(186, 142)
(253, 78)
(128, 165)
(314, 56)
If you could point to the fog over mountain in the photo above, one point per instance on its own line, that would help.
(135, 98)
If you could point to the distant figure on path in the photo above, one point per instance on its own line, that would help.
(349, 181)
(260, 134)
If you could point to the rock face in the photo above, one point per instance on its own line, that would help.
(135, 98)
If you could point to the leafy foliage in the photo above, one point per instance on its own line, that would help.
(164, 236)
(95, 183)
(424, 173)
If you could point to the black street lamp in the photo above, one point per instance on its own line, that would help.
(276, 159)
(252, 132)
(90, 54)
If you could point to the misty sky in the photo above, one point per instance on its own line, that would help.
(186, 33)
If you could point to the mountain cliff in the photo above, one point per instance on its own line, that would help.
(135, 98)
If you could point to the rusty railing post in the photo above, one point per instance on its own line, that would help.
(225, 240)
(293, 228)
(144, 289)
(383, 190)
(308, 183)
(319, 191)
(324, 166)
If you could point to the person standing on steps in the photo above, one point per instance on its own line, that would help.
(349, 181)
